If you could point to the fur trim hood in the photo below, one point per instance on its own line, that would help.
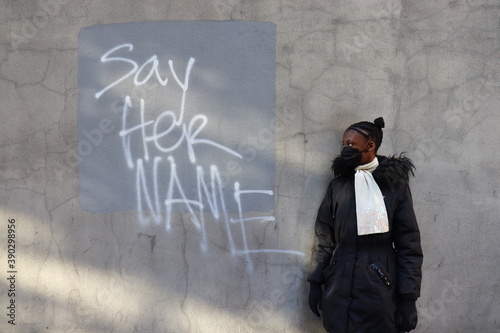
(391, 169)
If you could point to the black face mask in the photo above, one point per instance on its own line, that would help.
(351, 156)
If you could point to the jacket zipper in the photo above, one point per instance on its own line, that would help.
(329, 269)
(381, 274)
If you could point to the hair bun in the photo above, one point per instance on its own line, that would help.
(379, 122)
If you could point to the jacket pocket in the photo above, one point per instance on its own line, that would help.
(328, 272)
(384, 277)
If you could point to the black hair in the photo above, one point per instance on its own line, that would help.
(370, 130)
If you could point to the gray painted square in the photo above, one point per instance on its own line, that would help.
(191, 99)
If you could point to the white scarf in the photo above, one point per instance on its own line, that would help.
(370, 207)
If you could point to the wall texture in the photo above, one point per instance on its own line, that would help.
(430, 68)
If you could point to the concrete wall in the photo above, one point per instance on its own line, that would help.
(431, 68)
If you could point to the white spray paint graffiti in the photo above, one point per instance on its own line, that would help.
(158, 156)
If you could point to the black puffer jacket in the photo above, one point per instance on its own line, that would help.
(363, 276)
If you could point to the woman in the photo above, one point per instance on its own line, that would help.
(367, 272)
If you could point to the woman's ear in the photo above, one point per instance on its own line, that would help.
(371, 146)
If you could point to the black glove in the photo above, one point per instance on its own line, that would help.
(406, 315)
(315, 295)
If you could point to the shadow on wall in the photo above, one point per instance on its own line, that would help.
(104, 271)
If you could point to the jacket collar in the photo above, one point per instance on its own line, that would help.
(390, 169)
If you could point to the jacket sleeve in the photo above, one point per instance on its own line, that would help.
(325, 238)
(407, 244)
